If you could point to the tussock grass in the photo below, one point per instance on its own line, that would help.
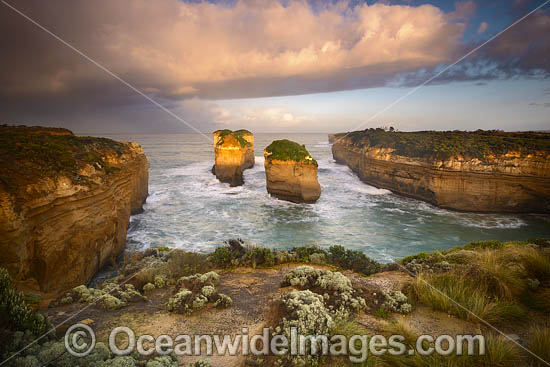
(539, 343)
(469, 293)
(491, 279)
(499, 352)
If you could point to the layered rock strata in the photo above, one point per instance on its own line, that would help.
(65, 204)
(509, 182)
(234, 152)
(291, 173)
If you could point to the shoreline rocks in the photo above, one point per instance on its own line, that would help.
(234, 152)
(291, 173)
(66, 214)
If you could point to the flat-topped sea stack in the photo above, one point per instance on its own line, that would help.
(65, 204)
(481, 171)
(234, 152)
(291, 172)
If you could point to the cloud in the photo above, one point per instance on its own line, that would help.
(188, 54)
(463, 11)
(521, 51)
(274, 118)
(176, 50)
(199, 112)
(482, 27)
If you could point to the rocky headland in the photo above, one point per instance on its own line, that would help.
(65, 204)
(291, 172)
(234, 152)
(482, 171)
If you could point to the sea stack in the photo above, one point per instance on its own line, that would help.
(291, 172)
(234, 152)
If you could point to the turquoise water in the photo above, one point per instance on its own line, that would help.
(188, 208)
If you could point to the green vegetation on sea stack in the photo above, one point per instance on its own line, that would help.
(30, 152)
(286, 150)
(446, 144)
(237, 134)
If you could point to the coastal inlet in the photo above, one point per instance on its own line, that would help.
(190, 208)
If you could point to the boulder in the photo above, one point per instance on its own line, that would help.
(234, 152)
(291, 172)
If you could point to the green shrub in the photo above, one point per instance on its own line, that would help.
(304, 252)
(419, 256)
(15, 314)
(237, 134)
(286, 150)
(382, 312)
(222, 257)
(30, 152)
(483, 244)
(353, 260)
(195, 292)
(446, 144)
(259, 256)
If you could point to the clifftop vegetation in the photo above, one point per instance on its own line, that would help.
(237, 134)
(447, 144)
(30, 152)
(286, 150)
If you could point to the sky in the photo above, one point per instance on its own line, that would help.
(274, 66)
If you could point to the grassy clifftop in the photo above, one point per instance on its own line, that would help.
(286, 150)
(28, 153)
(446, 144)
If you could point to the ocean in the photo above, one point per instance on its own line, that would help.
(189, 208)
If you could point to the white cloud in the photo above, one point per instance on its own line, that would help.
(274, 117)
(181, 49)
(482, 27)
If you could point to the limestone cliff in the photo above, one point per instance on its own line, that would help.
(234, 152)
(65, 204)
(291, 173)
(515, 180)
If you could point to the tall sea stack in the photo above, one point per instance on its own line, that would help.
(291, 172)
(234, 152)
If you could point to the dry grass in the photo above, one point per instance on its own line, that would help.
(469, 293)
(493, 284)
(539, 344)
(499, 352)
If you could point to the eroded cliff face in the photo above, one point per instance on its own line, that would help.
(233, 154)
(511, 182)
(56, 231)
(292, 181)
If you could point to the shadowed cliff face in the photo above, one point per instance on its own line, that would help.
(62, 224)
(234, 151)
(510, 182)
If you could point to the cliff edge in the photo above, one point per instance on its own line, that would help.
(482, 171)
(65, 203)
(291, 173)
(234, 152)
